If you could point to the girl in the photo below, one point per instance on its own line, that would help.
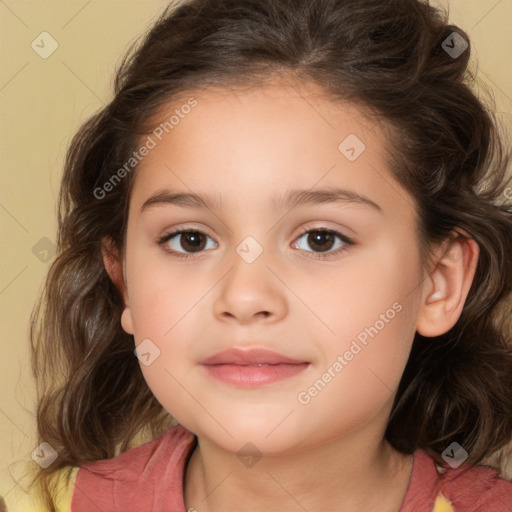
(284, 259)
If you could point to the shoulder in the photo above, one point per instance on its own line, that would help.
(24, 499)
(440, 488)
(136, 477)
(168, 448)
(475, 488)
(64, 480)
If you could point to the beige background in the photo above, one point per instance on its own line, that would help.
(42, 103)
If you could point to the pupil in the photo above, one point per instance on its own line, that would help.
(318, 238)
(193, 239)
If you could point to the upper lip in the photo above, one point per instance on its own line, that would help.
(249, 357)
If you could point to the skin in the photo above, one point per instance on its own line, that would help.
(247, 146)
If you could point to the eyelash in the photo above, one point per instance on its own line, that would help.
(321, 256)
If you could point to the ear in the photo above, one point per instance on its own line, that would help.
(114, 267)
(448, 285)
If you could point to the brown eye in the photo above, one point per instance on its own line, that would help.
(322, 241)
(192, 241)
(185, 241)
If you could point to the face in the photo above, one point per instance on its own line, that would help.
(306, 247)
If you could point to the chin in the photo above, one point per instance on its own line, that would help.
(250, 428)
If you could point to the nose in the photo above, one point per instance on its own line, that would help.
(250, 292)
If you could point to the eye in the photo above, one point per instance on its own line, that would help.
(183, 243)
(191, 241)
(323, 241)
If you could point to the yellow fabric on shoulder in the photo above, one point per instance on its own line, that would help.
(442, 504)
(65, 489)
(22, 500)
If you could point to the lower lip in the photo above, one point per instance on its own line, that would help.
(247, 376)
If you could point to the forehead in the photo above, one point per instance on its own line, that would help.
(247, 141)
(299, 108)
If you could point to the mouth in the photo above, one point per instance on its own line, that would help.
(252, 368)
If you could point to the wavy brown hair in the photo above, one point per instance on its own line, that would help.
(449, 153)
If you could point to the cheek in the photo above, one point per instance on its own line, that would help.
(364, 296)
(359, 379)
(370, 312)
(166, 383)
(162, 293)
(166, 308)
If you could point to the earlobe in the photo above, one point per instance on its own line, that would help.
(447, 287)
(114, 267)
(126, 320)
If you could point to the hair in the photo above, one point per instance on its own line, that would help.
(448, 153)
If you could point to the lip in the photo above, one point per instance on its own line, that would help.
(249, 357)
(252, 368)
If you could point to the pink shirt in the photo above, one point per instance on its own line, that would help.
(149, 478)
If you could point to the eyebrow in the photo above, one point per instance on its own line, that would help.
(292, 199)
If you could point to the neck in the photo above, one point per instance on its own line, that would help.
(344, 475)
